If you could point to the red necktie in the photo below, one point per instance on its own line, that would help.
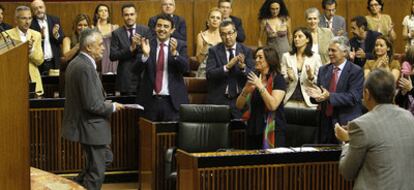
(159, 69)
(332, 88)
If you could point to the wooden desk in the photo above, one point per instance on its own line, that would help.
(155, 139)
(246, 170)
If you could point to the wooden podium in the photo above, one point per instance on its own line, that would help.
(14, 121)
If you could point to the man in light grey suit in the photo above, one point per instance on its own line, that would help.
(86, 114)
(329, 20)
(380, 151)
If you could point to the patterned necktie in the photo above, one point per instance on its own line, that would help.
(130, 32)
(332, 88)
(159, 69)
(232, 82)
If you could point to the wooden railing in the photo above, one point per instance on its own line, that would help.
(50, 152)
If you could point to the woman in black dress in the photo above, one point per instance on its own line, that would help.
(263, 95)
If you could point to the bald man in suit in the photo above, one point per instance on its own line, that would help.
(379, 149)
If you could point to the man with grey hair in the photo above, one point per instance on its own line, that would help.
(86, 114)
(22, 32)
(338, 90)
(379, 146)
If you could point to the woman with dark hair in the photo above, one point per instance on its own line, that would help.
(408, 27)
(383, 58)
(300, 69)
(102, 21)
(70, 47)
(208, 38)
(263, 94)
(379, 22)
(405, 95)
(275, 26)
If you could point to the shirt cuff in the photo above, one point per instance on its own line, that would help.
(144, 58)
(225, 69)
(113, 107)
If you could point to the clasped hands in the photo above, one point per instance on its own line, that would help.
(320, 94)
(145, 46)
(239, 60)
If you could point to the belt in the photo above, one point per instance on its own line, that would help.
(51, 59)
(160, 96)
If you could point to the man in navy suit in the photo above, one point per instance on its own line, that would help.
(168, 8)
(124, 48)
(338, 91)
(225, 7)
(228, 64)
(164, 60)
(52, 36)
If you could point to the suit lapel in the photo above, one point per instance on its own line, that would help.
(327, 76)
(124, 37)
(153, 61)
(222, 54)
(344, 77)
(35, 25)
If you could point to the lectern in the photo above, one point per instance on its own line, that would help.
(14, 121)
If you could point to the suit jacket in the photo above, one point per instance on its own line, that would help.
(368, 48)
(346, 101)
(179, 25)
(86, 114)
(217, 78)
(381, 150)
(54, 43)
(35, 56)
(5, 26)
(338, 23)
(128, 73)
(239, 27)
(289, 61)
(324, 37)
(177, 66)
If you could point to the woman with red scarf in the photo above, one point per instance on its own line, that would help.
(263, 95)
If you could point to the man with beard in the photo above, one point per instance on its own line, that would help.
(52, 36)
(165, 61)
(363, 42)
(125, 45)
(86, 114)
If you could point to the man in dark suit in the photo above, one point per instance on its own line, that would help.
(380, 149)
(165, 61)
(3, 26)
(363, 42)
(225, 7)
(329, 20)
(168, 7)
(52, 36)
(227, 67)
(338, 91)
(86, 114)
(125, 48)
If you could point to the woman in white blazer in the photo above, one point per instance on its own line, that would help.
(300, 68)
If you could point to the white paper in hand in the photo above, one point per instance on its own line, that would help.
(133, 106)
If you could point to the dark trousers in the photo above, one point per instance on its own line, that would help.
(235, 113)
(46, 66)
(326, 131)
(97, 158)
(161, 110)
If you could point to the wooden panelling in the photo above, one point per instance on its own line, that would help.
(195, 13)
(50, 152)
(14, 104)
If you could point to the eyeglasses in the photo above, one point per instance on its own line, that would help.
(229, 34)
